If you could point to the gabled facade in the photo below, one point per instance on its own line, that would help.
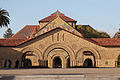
(56, 43)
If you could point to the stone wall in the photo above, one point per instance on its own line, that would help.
(49, 45)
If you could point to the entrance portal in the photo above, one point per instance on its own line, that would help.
(27, 63)
(57, 63)
(88, 63)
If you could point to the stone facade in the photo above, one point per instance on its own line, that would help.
(58, 47)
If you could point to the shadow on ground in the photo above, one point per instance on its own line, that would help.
(7, 77)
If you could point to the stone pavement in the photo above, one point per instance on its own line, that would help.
(61, 74)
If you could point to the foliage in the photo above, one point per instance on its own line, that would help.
(8, 33)
(89, 32)
(117, 34)
(4, 18)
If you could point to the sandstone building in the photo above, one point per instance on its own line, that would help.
(56, 43)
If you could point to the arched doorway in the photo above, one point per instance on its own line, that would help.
(88, 63)
(30, 58)
(57, 63)
(89, 59)
(27, 63)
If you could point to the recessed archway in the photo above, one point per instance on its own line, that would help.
(88, 63)
(33, 59)
(57, 62)
(85, 53)
(66, 51)
(27, 63)
(34, 53)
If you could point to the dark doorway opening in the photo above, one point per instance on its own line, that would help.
(27, 63)
(9, 63)
(88, 63)
(17, 64)
(118, 62)
(57, 63)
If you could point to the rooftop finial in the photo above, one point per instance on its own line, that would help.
(57, 12)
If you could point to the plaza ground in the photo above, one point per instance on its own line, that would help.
(61, 74)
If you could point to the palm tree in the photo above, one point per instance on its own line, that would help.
(4, 18)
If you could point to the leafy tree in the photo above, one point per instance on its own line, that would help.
(117, 35)
(89, 32)
(8, 33)
(104, 35)
(4, 18)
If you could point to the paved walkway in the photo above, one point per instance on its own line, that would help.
(61, 74)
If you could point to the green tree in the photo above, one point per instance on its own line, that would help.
(8, 33)
(117, 34)
(89, 32)
(104, 35)
(4, 18)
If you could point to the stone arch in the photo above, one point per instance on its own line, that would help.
(80, 53)
(37, 51)
(58, 46)
(64, 47)
(80, 58)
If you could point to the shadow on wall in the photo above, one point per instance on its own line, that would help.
(10, 58)
(7, 77)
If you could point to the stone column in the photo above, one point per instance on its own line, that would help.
(0, 63)
(13, 64)
(64, 64)
(3, 63)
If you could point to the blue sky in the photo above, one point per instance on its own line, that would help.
(103, 15)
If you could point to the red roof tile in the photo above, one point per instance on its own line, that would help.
(11, 42)
(98, 41)
(107, 41)
(26, 31)
(52, 16)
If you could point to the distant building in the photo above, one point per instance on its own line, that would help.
(56, 43)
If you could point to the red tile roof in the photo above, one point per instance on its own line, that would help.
(11, 42)
(52, 16)
(98, 41)
(107, 41)
(28, 30)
